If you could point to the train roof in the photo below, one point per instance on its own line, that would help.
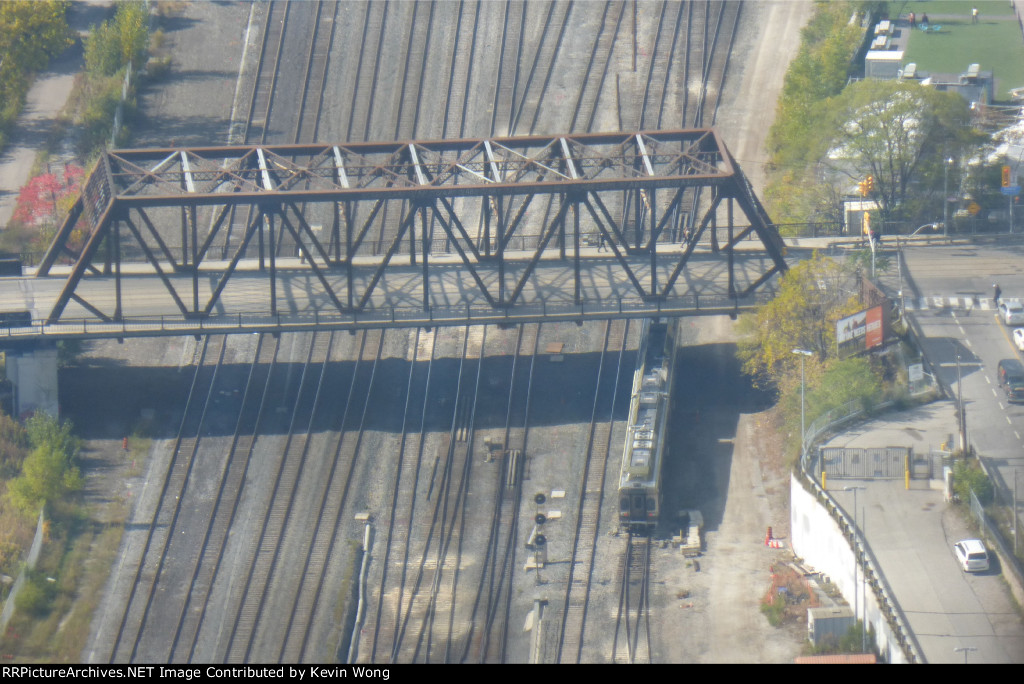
(649, 402)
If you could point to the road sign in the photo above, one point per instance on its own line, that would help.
(1010, 190)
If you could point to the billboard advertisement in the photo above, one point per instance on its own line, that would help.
(861, 331)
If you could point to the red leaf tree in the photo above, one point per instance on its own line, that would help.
(45, 197)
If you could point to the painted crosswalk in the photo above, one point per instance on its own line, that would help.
(957, 302)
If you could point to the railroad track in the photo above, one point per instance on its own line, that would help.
(487, 630)
(632, 643)
(522, 73)
(372, 40)
(130, 631)
(265, 547)
(271, 45)
(307, 122)
(194, 607)
(322, 551)
(425, 631)
(263, 124)
(385, 615)
(286, 520)
(581, 565)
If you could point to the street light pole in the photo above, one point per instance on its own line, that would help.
(856, 534)
(965, 650)
(961, 416)
(945, 197)
(803, 429)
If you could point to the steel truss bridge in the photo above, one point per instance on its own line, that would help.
(418, 233)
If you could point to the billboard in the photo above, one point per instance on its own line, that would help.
(861, 331)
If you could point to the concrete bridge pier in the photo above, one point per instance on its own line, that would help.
(32, 371)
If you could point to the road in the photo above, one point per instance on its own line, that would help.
(977, 337)
(911, 532)
(299, 291)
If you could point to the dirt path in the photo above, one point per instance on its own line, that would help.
(45, 101)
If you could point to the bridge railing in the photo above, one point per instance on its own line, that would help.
(384, 317)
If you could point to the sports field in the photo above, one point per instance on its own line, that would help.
(995, 42)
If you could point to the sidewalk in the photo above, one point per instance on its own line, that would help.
(45, 101)
(911, 530)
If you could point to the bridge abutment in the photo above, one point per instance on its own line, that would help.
(33, 374)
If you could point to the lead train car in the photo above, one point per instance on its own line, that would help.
(645, 449)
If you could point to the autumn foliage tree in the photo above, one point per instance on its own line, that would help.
(31, 33)
(46, 197)
(812, 296)
(113, 44)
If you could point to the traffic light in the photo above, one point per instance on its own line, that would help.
(863, 185)
(870, 180)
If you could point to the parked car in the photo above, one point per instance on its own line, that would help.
(1011, 379)
(1011, 311)
(971, 555)
(1018, 338)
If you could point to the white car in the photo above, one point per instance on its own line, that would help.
(1011, 311)
(1018, 338)
(971, 555)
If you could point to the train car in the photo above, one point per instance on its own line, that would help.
(640, 490)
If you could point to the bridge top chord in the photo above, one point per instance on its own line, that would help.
(511, 215)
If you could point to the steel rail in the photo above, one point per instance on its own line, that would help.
(345, 460)
(174, 483)
(229, 493)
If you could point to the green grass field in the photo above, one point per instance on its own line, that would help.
(936, 8)
(995, 42)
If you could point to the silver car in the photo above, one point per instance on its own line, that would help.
(1011, 311)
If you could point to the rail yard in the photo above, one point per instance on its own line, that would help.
(479, 466)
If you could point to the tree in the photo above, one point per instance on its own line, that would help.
(812, 296)
(44, 196)
(819, 71)
(113, 44)
(969, 477)
(13, 446)
(48, 473)
(846, 380)
(894, 130)
(33, 32)
(805, 196)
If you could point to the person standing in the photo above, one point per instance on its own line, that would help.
(996, 292)
(974, 15)
(924, 20)
(913, 21)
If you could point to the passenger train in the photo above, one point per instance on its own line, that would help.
(640, 490)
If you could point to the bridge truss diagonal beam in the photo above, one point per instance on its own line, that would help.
(225, 231)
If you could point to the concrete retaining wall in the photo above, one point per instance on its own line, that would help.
(823, 545)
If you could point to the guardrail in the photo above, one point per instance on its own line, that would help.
(384, 317)
(885, 598)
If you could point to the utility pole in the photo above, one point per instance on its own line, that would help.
(945, 197)
(856, 563)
